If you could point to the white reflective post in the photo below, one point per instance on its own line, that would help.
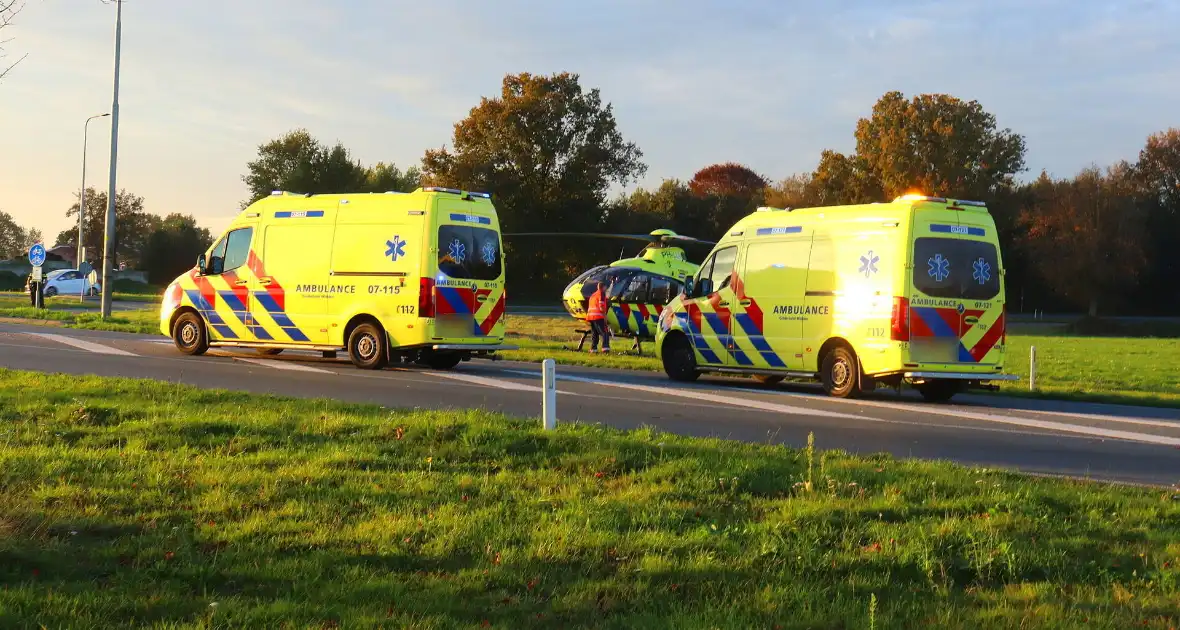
(549, 385)
(1032, 368)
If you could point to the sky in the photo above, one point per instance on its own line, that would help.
(767, 83)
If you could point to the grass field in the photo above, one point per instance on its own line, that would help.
(1098, 369)
(136, 501)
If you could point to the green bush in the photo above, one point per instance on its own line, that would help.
(131, 286)
(11, 282)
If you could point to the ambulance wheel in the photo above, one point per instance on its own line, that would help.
(767, 379)
(366, 347)
(839, 373)
(270, 352)
(938, 391)
(679, 361)
(189, 334)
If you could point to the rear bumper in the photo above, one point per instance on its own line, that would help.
(473, 347)
(962, 376)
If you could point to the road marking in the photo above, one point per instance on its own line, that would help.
(947, 411)
(706, 397)
(283, 365)
(987, 417)
(490, 382)
(83, 345)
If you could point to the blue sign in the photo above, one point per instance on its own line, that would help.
(37, 255)
(775, 231)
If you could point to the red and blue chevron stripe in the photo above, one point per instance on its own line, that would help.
(464, 301)
(948, 323)
(751, 323)
(273, 300)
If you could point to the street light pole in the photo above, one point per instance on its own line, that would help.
(108, 256)
(82, 195)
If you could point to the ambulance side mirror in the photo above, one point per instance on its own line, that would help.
(201, 264)
(688, 287)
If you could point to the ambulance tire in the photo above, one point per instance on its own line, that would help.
(680, 363)
(839, 373)
(366, 347)
(939, 391)
(189, 334)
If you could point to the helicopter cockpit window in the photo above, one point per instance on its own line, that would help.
(587, 276)
(636, 290)
(618, 276)
(662, 290)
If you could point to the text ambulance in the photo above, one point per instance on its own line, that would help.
(911, 290)
(415, 277)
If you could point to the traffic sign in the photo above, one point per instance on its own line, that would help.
(85, 268)
(37, 255)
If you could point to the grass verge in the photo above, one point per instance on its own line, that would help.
(147, 502)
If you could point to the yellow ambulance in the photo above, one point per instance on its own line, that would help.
(910, 291)
(389, 277)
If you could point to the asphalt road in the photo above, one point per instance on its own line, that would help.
(1132, 444)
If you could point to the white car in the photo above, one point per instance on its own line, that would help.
(69, 282)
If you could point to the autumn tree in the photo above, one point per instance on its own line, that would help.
(298, 162)
(728, 179)
(133, 226)
(1157, 175)
(173, 248)
(548, 150)
(796, 191)
(8, 11)
(15, 240)
(933, 143)
(844, 179)
(1085, 236)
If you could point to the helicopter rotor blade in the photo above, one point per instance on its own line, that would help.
(633, 237)
(689, 239)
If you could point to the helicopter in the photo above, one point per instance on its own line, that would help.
(638, 288)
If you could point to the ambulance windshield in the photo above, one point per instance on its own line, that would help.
(469, 253)
(956, 269)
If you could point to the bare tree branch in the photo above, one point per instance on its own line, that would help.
(8, 11)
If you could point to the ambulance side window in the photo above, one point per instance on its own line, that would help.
(237, 249)
(217, 257)
(722, 269)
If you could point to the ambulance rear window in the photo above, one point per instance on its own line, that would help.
(956, 269)
(469, 253)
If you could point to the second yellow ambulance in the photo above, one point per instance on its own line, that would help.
(415, 277)
(854, 296)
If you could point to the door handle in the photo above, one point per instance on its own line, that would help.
(264, 281)
(744, 302)
(723, 304)
(242, 283)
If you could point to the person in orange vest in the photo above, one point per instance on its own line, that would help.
(596, 316)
